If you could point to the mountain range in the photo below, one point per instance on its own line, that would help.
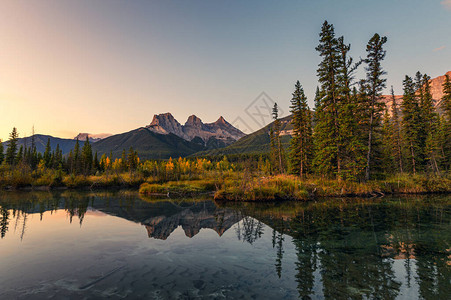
(194, 128)
(165, 137)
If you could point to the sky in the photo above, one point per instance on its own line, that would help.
(109, 66)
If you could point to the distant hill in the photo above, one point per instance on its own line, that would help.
(148, 144)
(254, 143)
(41, 141)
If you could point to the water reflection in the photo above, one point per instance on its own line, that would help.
(336, 249)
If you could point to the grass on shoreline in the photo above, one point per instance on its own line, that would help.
(233, 185)
(286, 187)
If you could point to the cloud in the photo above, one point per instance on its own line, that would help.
(439, 48)
(447, 4)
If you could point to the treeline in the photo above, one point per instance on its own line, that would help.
(80, 161)
(351, 134)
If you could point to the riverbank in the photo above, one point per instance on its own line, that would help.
(286, 187)
(235, 186)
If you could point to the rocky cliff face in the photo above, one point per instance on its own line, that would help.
(436, 91)
(194, 128)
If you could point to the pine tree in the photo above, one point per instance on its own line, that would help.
(123, 160)
(430, 124)
(86, 158)
(350, 137)
(411, 121)
(75, 161)
(396, 133)
(20, 155)
(12, 147)
(445, 143)
(48, 154)
(375, 56)
(301, 142)
(326, 133)
(388, 144)
(132, 159)
(96, 162)
(278, 150)
(58, 157)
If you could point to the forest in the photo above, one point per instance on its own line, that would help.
(350, 143)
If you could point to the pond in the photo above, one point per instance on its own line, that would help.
(86, 245)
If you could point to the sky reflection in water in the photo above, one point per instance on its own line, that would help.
(116, 245)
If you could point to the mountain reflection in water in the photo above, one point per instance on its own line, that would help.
(356, 248)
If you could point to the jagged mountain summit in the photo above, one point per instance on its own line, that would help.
(195, 130)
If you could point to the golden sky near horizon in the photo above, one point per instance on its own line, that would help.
(109, 66)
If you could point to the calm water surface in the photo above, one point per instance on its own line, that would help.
(76, 245)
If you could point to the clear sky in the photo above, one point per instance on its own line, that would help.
(109, 66)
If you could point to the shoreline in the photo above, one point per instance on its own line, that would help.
(257, 189)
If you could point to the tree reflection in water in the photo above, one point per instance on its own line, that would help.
(348, 247)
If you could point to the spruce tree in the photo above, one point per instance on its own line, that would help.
(430, 124)
(12, 147)
(48, 154)
(375, 83)
(350, 136)
(86, 158)
(278, 153)
(301, 142)
(75, 161)
(411, 124)
(327, 158)
(445, 143)
(20, 155)
(124, 160)
(58, 158)
(396, 136)
(96, 162)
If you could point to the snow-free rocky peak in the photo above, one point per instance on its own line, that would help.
(194, 127)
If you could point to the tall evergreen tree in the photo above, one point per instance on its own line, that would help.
(446, 99)
(445, 143)
(20, 155)
(12, 147)
(96, 162)
(411, 123)
(301, 142)
(430, 124)
(75, 161)
(376, 83)
(48, 154)
(276, 137)
(396, 136)
(389, 159)
(58, 157)
(350, 140)
(327, 140)
(86, 156)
